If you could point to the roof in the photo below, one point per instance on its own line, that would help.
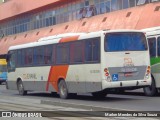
(113, 20)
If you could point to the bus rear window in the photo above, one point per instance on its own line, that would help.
(125, 41)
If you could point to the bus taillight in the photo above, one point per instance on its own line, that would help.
(106, 72)
(148, 70)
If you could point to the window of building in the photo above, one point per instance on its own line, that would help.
(96, 1)
(119, 4)
(113, 5)
(154, 0)
(152, 46)
(92, 50)
(108, 6)
(116, 5)
(62, 54)
(89, 11)
(102, 8)
(86, 2)
(125, 4)
(65, 13)
(132, 3)
(147, 1)
(141, 2)
(97, 8)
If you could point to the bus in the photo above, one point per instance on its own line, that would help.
(3, 70)
(71, 63)
(153, 36)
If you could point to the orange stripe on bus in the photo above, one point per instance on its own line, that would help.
(68, 39)
(60, 71)
(56, 73)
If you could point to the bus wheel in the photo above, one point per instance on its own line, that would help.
(21, 88)
(100, 94)
(63, 91)
(151, 90)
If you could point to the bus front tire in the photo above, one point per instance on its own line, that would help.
(63, 91)
(21, 88)
(151, 90)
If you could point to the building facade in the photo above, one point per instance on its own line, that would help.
(27, 21)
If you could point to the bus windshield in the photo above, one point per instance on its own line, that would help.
(125, 41)
(3, 68)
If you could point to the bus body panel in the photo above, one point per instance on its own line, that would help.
(127, 68)
(155, 69)
(80, 78)
(34, 78)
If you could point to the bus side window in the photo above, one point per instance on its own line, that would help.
(96, 50)
(158, 45)
(47, 54)
(76, 52)
(62, 54)
(88, 50)
(39, 55)
(92, 50)
(152, 46)
(12, 61)
(28, 56)
(19, 58)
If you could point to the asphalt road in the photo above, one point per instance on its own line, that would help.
(135, 101)
(40, 101)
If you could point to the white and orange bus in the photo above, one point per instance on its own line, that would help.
(95, 62)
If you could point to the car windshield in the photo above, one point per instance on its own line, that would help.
(125, 41)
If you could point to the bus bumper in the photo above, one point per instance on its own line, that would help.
(126, 84)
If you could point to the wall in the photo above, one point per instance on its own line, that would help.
(16, 7)
(140, 17)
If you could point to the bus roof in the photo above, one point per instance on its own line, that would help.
(56, 38)
(152, 31)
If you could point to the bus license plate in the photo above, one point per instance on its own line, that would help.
(128, 74)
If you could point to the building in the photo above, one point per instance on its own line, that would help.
(23, 21)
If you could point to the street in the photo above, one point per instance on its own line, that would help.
(10, 100)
